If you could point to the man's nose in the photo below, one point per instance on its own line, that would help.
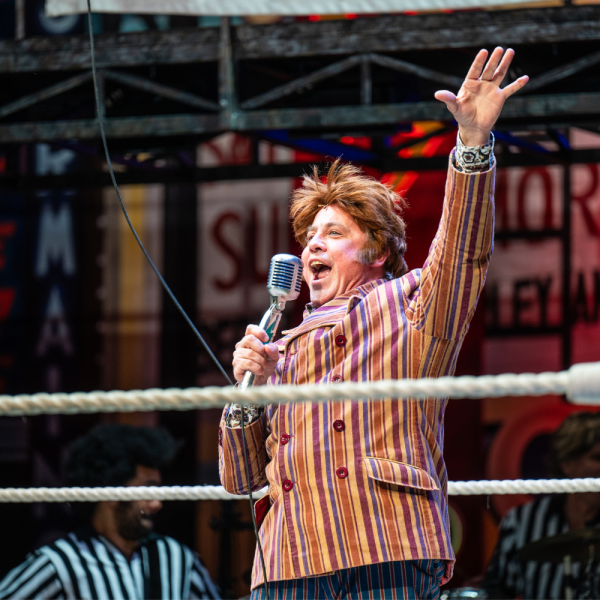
(316, 243)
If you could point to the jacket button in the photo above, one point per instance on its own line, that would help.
(336, 378)
(340, 340)
(287, 485)
(220, 437)
(285, 438)
(339, 425)
(342, 472)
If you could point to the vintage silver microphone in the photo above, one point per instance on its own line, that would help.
(283, 285)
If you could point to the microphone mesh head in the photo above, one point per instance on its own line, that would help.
(285, 277)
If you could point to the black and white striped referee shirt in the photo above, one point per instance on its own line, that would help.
(86, 565)
(542, 518)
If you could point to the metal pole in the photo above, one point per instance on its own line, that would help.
(19, 19)
(566, 265)
(366, 83)
(227, 99)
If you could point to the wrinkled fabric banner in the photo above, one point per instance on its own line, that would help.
(55, 8)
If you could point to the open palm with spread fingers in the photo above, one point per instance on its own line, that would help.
(479, 101)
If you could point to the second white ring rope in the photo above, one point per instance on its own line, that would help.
(216, 492)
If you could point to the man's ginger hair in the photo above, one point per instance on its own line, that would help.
(374, 206)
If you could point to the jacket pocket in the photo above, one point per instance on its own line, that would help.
(398, 473)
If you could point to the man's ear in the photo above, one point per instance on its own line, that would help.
(380, 260)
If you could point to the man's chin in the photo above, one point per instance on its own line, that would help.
(316, 292)
(320, 296)
(146, 527)
(138, 531)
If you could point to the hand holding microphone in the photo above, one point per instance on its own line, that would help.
(255, 354)
(255, 358)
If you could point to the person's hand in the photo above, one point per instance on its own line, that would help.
(254, 355)
(479, 102)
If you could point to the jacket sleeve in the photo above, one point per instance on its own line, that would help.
(454, 272)
(232, 469)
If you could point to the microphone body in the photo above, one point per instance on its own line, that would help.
(283, 285)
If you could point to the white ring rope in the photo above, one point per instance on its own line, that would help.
(216, 492)
(581, 383)
(523, 486)
(77, 494)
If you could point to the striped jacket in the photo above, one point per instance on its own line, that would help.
(86, 565)
(358, 483)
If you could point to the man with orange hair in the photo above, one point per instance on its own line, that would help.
(357, 503)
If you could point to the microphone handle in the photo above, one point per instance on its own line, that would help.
(270, 323)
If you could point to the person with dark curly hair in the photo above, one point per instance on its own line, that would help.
(574, 453)
(116, 554)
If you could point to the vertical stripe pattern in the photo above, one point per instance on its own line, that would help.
(85, 565)
(361, 483)
(405, 580)
(510, 576)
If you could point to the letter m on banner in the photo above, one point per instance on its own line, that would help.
(55, 241)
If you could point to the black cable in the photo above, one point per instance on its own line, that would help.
(114, 182)
(168, 289)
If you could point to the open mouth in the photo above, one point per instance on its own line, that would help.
(320, 270)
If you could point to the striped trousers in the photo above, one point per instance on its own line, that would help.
(401, 580)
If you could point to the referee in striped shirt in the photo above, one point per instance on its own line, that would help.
(574, 453)
(116, 554)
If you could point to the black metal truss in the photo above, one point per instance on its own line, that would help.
(324, 78)
(534, 112)
(391, 33)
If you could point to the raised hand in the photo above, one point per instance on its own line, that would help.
(479, 102)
